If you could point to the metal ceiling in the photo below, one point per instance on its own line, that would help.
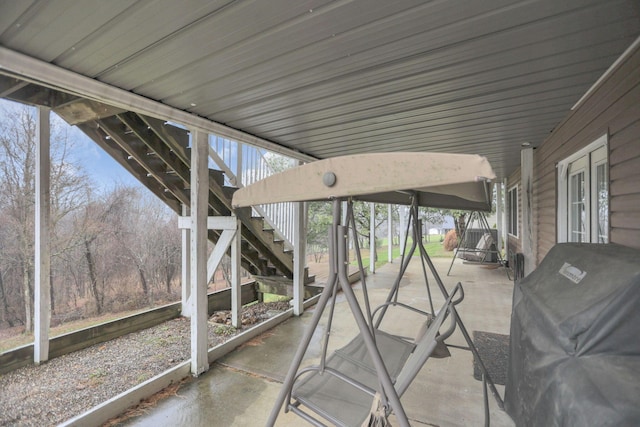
(339, 77)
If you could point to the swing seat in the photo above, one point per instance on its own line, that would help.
(344, 391)
(485, 247)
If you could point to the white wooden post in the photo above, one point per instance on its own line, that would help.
(504, 216)
(389, 234)
(372, 238)
(239, 168)
(42, 294)
(403, 227)
(299, 256)
(230, 237)
(499, 209)
(526, 165)
(344, 222)
(199, 203)
(236, 285)
(186, 265)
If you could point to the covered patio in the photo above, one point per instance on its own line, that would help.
(240, 388)
(152, 81)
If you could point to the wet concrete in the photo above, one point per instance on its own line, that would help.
(241, 388)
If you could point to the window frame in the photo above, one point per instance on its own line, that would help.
(512, 224)
(562, 186)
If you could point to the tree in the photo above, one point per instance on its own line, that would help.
(278, 163)
(100, 223)
(362, 216)
(17, 197)
(152, 242)
(101, 241)
(319, 219)
(17, 173)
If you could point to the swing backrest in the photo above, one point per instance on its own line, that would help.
(428, 342)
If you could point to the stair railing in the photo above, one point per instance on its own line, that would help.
(243, 165)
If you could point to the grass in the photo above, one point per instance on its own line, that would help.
(224, 330)
(275, 298)
(434, 250)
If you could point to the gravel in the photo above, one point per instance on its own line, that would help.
(72, 384)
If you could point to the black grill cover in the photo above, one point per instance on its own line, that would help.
(575, 339)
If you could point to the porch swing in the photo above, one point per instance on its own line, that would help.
(362, 382)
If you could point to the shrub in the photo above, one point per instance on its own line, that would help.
(450, 240)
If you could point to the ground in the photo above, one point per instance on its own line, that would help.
(70, 385)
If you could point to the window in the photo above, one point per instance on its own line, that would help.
(512, 209)
(583, 195)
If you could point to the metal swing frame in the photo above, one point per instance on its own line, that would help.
(484, 225)
(338, 272)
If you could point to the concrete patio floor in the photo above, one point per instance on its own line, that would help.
(240, 389)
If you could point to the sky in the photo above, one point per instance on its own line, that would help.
(97, 164)
(105, 172)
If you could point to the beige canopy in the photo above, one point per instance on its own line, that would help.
(454, 181)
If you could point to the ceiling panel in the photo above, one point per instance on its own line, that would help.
(341, 77)
(230, 27)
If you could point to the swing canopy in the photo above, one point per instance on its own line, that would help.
(441, 180)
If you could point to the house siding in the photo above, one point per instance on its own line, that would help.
(613, 109)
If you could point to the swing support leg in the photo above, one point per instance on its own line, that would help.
(306, 339)
(383, 374)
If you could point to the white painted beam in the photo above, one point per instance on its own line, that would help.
(526, 167)
(390, 234)
(225, 223)
(236, 291)
(299, 256)
(499, 209)
(199, 205)
(42, 294)
(212, 222)
(372, 237)
(504, 216)
(403, 227)
(219, 250)
(239, 166)
(49, 75)
(186, 264)
(223, 166)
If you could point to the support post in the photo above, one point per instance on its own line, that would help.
(42, 294)
(504, 218)
(236, 292)
(389, 234)
(199, 204)
(230, 237)
(372, 238)
(186, 266)
(344, 221)
(299, 256)
(499, 209)
(526, 167)
(239, 168)
(403, 227)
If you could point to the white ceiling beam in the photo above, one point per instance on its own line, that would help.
(54, 77)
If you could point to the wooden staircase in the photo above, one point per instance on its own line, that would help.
(158, 155)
